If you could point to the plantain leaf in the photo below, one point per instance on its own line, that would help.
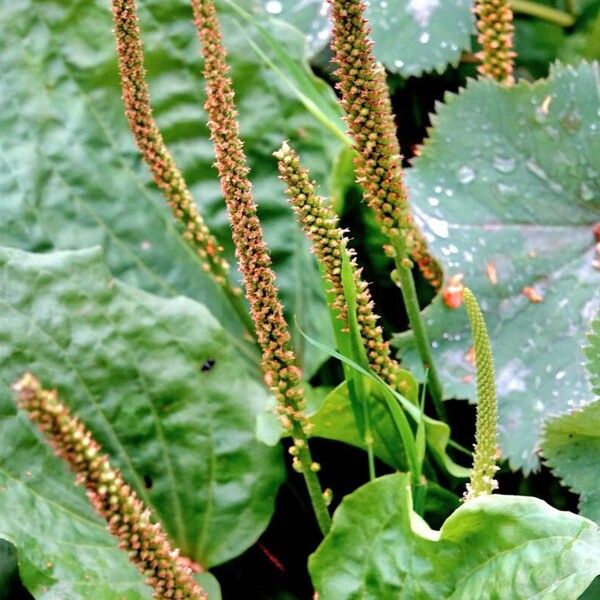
(500, 547)
(70, 176)
(334, 420)
(571, 442)
(507, 188)
(164, 393)
(411, 36)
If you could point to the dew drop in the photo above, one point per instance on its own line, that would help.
(439, 227)
(465, 175)
(504, 164)
(433, 201)
(424, 37)
(585, 192)
(274, 7)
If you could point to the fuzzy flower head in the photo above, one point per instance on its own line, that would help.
(151, 144)
(495, 25)
(128, 519)
(320, 225)
(366, 102)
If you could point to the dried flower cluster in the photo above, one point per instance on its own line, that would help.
(366, 102)
(152, 147)
(320, 224)
(279, 363)
(486, 431)
(128, 520)
(495, 25)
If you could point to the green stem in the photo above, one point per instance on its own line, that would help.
(547, 13)
(369, 438)
(571, 7)
(312, 483)
(411, 302)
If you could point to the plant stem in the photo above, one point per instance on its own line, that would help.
(571, 7)
(547, 13)
(368, 434)
(312, 482)
(409, 295)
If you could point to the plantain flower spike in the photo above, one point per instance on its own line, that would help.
(495, 25)
(128, 519)
(486, 430)
(152, 147)
(378, 162)
(279, 363)
(320, 225)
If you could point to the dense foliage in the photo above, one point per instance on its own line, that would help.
(305, 423)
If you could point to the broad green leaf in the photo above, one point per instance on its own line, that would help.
(416, 36)
(411, 36)
(571, 442)
(335, 421)
(162, 390)
(571, 447)
(70, 176)
(507, 188)
(493, 547)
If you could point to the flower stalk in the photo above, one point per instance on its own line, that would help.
(128, 519)
(482, 481)
(151, 145)
(279, 363)
(495, 25)
(329, 243)
(378, 162)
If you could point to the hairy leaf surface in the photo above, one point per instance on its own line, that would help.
(508, 189)
(500, 547)
(164, 393)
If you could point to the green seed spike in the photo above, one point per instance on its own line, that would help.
(486, 431)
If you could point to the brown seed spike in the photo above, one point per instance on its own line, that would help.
(279, 363)
(152, 147)
(366, 102)
(128, 519)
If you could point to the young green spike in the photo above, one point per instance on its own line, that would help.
(486, 430)
(128, 519)
(279, 363)
(495, 25)
(319, 223)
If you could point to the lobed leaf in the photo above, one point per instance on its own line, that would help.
(411, 36)
(571, 442)
(507, 187)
